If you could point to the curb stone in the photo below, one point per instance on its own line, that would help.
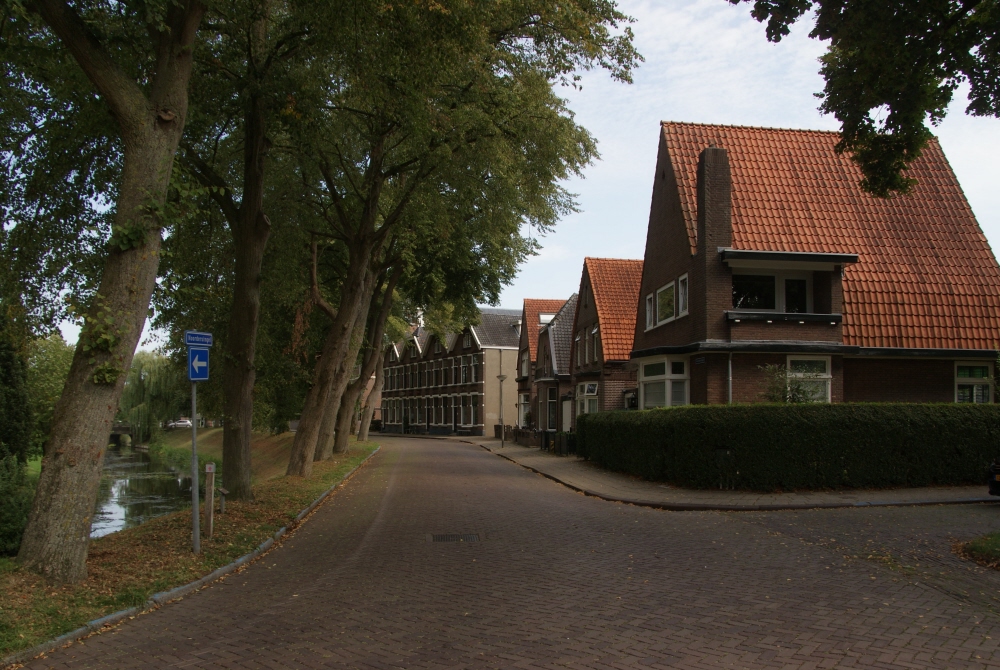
(707, 507)
(163, 597)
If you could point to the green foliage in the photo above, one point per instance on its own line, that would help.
(49, 360)
(892, 66)
(155, 391)
(782, 387)
(985, 549)
(805, 446)
(15, 411)
(15, 503)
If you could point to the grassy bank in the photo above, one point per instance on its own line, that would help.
(270, 452)
(127, 567)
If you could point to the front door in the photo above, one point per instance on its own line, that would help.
(567, 409)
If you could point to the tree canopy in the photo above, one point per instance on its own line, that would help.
(893, 66)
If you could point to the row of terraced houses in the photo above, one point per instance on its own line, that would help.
(762, 254)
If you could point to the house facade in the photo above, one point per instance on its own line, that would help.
(553, 375)
(602, 376)
(449, 385)
(535, 315)
(764, 256)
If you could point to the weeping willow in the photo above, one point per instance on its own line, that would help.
(153, 393)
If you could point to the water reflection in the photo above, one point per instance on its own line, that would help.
(135, 488)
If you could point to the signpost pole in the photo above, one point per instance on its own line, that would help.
(195, 516)
(197, 344)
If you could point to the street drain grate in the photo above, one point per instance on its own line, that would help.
(455, 537)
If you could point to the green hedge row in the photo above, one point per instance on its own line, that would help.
(789, 447)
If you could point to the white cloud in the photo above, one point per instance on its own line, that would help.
(707, 61)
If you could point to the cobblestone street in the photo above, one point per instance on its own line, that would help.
(559, 579)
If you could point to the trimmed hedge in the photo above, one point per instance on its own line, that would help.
(788, 447)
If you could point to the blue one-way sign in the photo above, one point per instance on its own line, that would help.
(198, 364)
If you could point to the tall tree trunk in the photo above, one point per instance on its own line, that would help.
(250, 236)
(342, 379)
(57, 536)
(348, 408)
(373, 400)
(327, 374)
(327, 430)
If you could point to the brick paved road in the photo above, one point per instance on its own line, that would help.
(562, 580)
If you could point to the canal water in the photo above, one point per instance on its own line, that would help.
(136, 488)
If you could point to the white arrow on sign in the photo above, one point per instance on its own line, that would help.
(198, 364)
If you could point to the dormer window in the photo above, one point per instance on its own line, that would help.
(467, 340)
(545, 318)
(781, 292)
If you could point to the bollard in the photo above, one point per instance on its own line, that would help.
(209, 498)
(222, 500)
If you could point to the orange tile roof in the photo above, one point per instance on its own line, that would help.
(532, 308)
(616, 283)
(926, 276)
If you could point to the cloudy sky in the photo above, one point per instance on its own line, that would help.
(707, 61)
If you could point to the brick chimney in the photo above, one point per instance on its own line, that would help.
(715, 229)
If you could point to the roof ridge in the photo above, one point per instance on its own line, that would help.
(665, 122)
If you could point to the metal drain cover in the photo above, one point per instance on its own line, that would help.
(455, 537)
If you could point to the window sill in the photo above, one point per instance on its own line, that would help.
(663, 323)
(784, 317)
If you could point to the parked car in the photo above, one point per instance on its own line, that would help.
(180, 423)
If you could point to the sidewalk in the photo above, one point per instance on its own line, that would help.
(587, 478)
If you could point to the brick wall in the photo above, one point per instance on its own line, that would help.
(896, 380)
(750, 382)
(667, 257)
(809, 331)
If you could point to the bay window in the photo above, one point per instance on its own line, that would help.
(663, 383)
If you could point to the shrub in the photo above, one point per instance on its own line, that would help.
(786, 447)
(15, 502)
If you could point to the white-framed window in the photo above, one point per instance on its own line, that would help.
(812, 374)
(663, 382)
(467, 340)
(973, 381)
(666, 303)
(789, 292)
(466, 411)
(595, 341)
(437, 346)
(586, 347)
(474, 401)
(475, 368)
(579, 352)
(525, 363)
(682, 295)
(650, 311)
(587, 398)
(454, 370)
(392, 355)
(523, 409)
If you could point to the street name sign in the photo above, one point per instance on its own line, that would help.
(195, 338)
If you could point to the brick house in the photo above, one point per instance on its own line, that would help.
(553, 375)
(763, 250)
(602, 377)
(445, 386)
(535, 314)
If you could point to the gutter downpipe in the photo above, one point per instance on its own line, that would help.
(729, 380)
